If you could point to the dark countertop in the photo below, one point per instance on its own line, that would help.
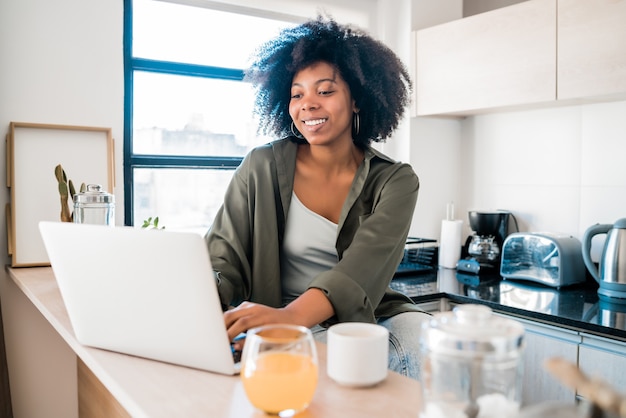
(575, 307)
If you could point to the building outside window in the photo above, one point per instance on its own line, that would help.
(188, 113)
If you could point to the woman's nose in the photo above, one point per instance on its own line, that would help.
(309, 103)
(310, 106)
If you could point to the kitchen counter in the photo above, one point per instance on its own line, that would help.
(116, 385)
(575, 307)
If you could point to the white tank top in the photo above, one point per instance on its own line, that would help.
(308, 249)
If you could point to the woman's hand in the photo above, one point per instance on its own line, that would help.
(309, 309)
(249, 315)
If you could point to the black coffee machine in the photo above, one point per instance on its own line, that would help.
(483, 248)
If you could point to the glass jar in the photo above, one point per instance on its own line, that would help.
(471, 364)
(94, 206)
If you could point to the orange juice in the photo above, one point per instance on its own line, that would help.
(280, 381)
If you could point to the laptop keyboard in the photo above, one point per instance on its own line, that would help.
(236, 354)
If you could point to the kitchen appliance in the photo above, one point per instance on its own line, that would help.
(483, 248)
(472, 360)
(611, 274)
(543, 257)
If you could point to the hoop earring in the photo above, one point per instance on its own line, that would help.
(296, 132)
(356, 124)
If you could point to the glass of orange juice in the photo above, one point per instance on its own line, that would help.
(279, 368)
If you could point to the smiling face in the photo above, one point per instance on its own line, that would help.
(321, 105)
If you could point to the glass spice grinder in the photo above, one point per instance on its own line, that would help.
(471, 364)
(94, 206)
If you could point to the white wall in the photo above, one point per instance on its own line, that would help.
(472, 7)
(558, 170)
(61, 64)
(434, 143)
(436, 158)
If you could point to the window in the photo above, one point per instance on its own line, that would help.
(188, 113)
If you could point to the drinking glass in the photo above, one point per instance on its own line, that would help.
(279, 368)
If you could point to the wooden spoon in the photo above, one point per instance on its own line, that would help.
(593, 389)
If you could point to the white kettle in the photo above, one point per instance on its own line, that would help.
(611, 275)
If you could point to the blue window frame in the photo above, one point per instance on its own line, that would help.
(188, 117)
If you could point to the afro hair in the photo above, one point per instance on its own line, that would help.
(379, 82)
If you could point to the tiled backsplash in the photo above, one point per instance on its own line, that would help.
(559, 169)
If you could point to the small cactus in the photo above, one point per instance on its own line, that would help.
(66, 193)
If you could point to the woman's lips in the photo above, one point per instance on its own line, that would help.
(314, 122)
(313, 125)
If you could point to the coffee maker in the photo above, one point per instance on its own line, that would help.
(482, 248)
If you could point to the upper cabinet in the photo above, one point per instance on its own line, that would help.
(499, 58)
(529, 54)
(591, 49)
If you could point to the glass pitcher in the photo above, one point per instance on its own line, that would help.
(471, 364)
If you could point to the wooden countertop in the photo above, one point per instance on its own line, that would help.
(147, 388)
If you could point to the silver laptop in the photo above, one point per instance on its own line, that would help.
(149, 293)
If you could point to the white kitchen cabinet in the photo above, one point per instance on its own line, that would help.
(543, 342)
(596, 356)
(591, 48)
(603, 358)
(501, 58)
(535, 53)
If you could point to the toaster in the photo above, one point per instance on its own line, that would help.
(544, 257)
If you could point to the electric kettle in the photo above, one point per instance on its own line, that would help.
(611, 275)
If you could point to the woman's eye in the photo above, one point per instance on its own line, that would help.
(296, 95)
(325, 92)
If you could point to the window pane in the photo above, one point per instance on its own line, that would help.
(186, 115)
(182, 115)
(181, 198)
(195, 35)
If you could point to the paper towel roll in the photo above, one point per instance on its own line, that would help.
(450, 243)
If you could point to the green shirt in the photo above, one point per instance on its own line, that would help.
(246, 236)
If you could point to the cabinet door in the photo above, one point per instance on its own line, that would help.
(544, 342)
(496, 59)
(605, 359)
(591, 48)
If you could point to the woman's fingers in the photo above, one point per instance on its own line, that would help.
(249, 315)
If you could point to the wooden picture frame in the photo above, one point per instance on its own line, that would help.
(33, 151)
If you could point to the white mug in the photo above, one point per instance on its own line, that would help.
(357, 353)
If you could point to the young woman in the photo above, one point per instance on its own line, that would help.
(314, 225)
